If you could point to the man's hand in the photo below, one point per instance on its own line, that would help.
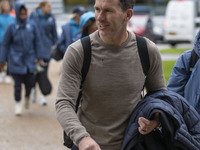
(39, 62)
(2, 65)
(146, 126)
(87, 143)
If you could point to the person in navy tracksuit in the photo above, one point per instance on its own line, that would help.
(21, 49)
(45, 21)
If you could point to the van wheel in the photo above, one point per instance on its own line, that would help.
(173, 44)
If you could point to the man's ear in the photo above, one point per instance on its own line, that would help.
(129, 14)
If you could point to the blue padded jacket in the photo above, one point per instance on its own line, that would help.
(21, 45)
(180, 123)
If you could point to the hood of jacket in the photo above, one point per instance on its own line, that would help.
(197, 44)
(18, 5)
(85, 17)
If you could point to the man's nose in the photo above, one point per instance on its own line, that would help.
(100, 16)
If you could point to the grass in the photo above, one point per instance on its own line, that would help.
(172, 51)
(169, 64)
(167, 68)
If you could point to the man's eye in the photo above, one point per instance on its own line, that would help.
(96, 9)
(108, 10)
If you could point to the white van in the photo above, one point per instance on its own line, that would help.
(181, 22)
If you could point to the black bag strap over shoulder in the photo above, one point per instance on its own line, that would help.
(193, 60)
(86, 65)
(143, 53)
(144, 58)
(87, 57)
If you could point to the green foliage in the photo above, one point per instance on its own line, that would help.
(167, 68)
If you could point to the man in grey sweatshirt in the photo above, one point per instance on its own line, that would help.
(113, 84)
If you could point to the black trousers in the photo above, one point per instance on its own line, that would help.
(28, 80)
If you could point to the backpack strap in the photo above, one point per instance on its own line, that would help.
(87, 57)
(144, 58)
(143, 53)
(86, 64)
(193, 60)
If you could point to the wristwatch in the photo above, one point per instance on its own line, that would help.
(158, 127)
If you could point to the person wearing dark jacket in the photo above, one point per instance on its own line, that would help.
(21, 48)
(70, 29)
(180, 124)
(45, 21)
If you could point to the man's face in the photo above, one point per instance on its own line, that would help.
(110, 18)
(23, 14)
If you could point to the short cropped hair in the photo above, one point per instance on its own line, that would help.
(126, 4)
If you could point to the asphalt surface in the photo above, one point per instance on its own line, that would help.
(37, 128)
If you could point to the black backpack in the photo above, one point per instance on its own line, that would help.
(144, 59)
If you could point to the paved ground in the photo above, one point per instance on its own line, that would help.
(37, 128)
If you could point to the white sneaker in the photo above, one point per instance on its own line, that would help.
(7, 80)
(33, 95)
(1, 79)
(43, 101)
(27, 102)
(18, 109)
